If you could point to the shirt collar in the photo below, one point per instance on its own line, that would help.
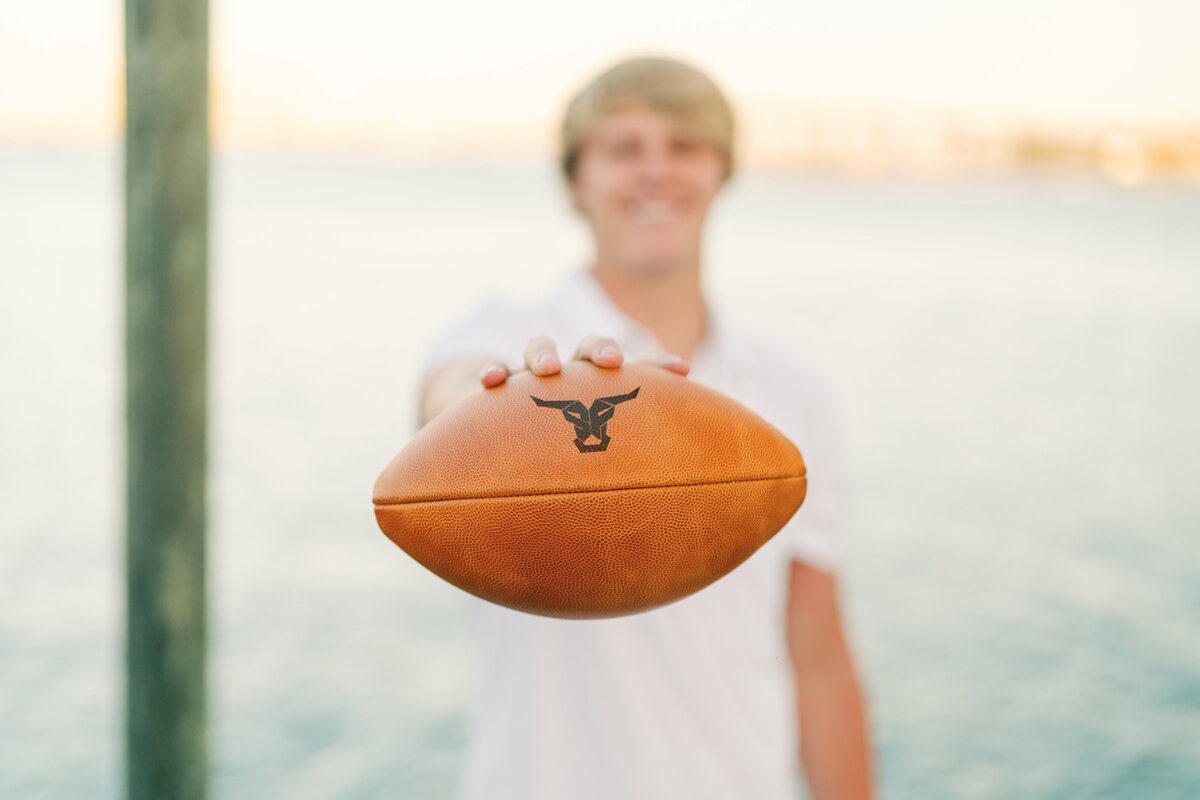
(597, 312)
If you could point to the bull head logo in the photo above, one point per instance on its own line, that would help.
(589, 422)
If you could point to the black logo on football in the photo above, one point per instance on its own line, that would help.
(589, 422)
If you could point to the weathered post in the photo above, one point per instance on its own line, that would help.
(166, 308)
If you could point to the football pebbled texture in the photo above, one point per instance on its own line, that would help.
(593, 493)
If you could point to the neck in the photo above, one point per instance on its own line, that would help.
(669, 303)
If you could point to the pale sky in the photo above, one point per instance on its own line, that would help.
(408, 76)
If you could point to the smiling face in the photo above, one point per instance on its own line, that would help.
(645, 188)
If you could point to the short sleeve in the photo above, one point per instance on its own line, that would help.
(811, 417)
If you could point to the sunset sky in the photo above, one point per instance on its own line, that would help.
(416, 77)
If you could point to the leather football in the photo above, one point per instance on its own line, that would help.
(593, 493)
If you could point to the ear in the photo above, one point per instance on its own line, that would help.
(576, 195)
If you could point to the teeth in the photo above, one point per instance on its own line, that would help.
(651, 211)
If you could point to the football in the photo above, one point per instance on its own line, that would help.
(592, 493)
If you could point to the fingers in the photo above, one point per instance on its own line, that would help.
(673, 364)
(493, 374)
(541, 356)
(600, 350)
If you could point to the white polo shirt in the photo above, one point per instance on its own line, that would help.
(693, 700)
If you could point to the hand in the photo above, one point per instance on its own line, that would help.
(541, 358)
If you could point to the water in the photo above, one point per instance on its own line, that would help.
(1018, 363)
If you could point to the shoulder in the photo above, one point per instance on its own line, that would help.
(490, 310)
(499, 325)
(497, 314)
(486, 328)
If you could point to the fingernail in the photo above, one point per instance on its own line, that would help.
(545, 359)
(608, 351)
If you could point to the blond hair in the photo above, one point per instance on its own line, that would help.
(680, 92)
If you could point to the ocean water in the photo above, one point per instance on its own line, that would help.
(1018, 361)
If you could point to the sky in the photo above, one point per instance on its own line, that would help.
(418, 76)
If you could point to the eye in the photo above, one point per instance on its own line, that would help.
(685, 147)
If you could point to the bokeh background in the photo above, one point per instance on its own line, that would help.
(981, 219)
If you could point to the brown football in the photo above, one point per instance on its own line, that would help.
(592, 493)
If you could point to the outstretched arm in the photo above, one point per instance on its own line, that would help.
(834, 740)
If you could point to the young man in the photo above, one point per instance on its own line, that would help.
(707, 697)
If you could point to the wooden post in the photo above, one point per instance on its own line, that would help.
(166, 308)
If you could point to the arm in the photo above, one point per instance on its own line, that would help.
(834, 741)
(449, 384)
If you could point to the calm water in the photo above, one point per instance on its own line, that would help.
(1019, 362)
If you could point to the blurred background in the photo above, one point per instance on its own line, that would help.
(981, 219)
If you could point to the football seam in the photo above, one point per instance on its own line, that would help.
(387, 503)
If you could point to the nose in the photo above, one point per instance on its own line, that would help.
(656, 163)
